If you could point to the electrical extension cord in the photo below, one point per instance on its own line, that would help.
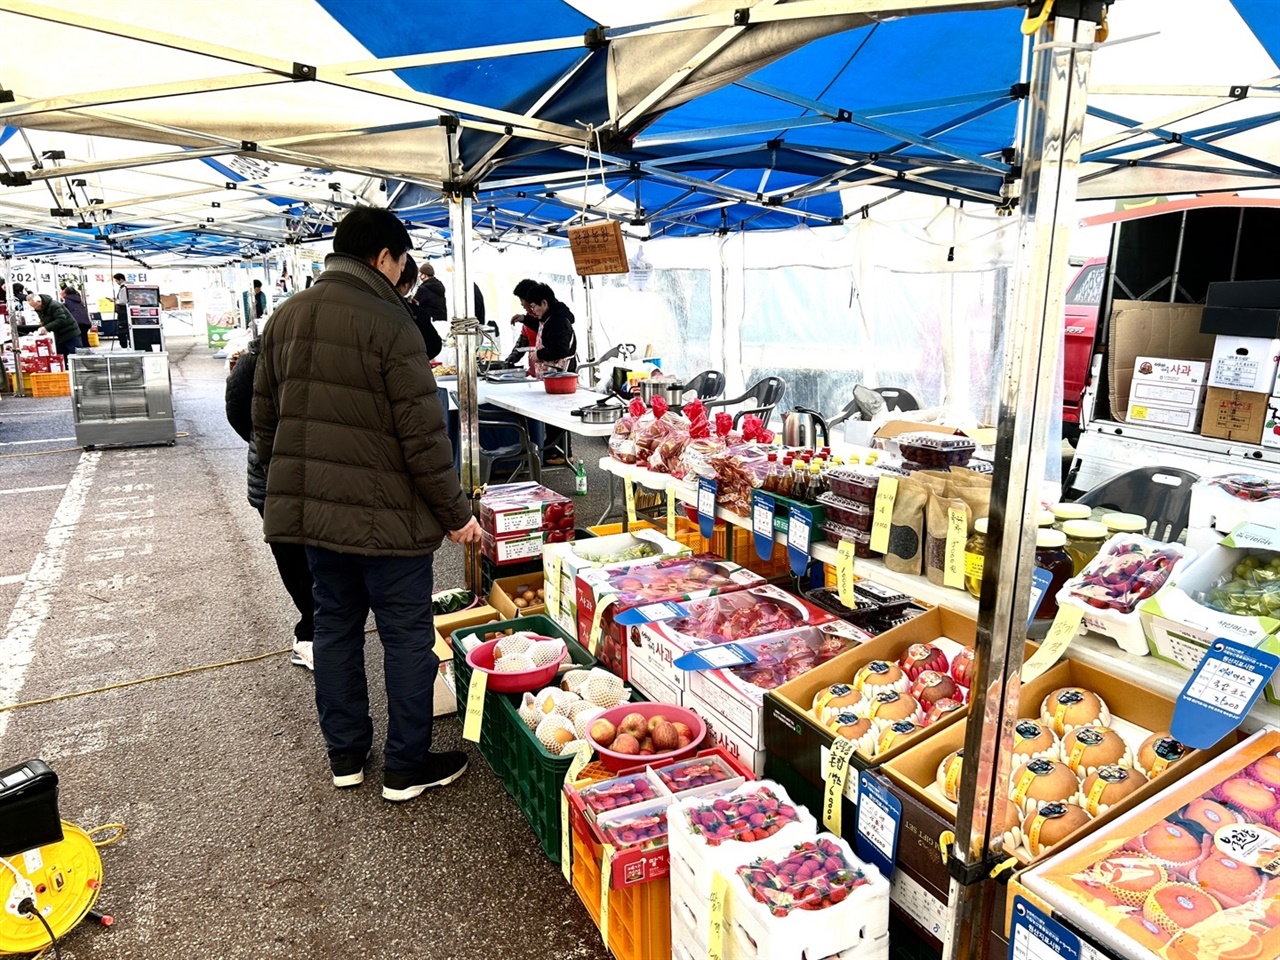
(23, 890)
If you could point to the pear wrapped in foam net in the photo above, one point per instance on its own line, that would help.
(603, 689)
(583, 719)
(514, 663)
(554, 700)
(510, 646)
(554, 732)
(528, 711)
(546, 652)
(572, 680)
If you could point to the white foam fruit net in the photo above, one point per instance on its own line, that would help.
(546, 652)
(584, 718)
(554, 700)
(603, 689)
(508, 646)
(528, 711)
(514, 663)
(573, 680)
(554, 732)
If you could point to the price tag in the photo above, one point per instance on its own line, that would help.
(882, 519)
(837, 773)
(597, 621)
(580, 761)
(1221, 692)
(606, 876)
(879, 816)
(719, 892)
(799, 526)
(957, 534)
(1041, 580)
(1036, 936)
(1252, 535)
(629, 489)
(671, 513)
(706, 507)
(722, 656)
(844, 575)
(1065, 628)
(762, 507)
(475, 706)
(551, 563)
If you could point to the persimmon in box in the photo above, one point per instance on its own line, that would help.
(640, 594)
(511, 509)
(1189, 875)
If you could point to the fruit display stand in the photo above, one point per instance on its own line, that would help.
(929, 818)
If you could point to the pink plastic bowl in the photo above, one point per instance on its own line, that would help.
(481, 658)
(620, 761)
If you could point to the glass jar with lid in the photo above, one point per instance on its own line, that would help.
(1045, 519)
(1062, 512)
(1125, 523)
(1084, 539)
(1051, 555)
(975, 552)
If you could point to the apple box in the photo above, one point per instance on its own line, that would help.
(1244, 363)
(1220, 504)
(513, 509)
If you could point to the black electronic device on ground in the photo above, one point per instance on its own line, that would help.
(28, 808)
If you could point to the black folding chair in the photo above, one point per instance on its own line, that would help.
(1161, 494)
(765, 394)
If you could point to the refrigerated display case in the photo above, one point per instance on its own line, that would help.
(122, 398)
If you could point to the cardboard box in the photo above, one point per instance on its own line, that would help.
(1167, 392)
(1148, 414)
(502, 596)
(445, 625)
(1216, 511)
(514, 509)
(724, 734)
(513, 548)
(1234, 415)
(1245, 363)
(925, 815)
(652, 684)
(1271, 425)
(1144, 329)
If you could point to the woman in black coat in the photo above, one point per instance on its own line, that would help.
(75, 305)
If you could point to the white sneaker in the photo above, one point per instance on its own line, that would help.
(302, 656)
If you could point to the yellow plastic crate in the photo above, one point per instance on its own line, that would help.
(43, 384)
(639, 916)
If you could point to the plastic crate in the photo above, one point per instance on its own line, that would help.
(49, 384)
(689, 534)
(639, 915)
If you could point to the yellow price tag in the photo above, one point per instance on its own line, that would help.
(844, 575)
(580, 761)
(837, 775)
(719, 893)
(630, 489)
(606, 876)
(551, 563)
(1065, 628)
(671, 513)
(593, 638)
(1138, 413)
(882, 519)
(957, 534)
(475, 706)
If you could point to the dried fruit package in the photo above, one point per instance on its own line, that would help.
(739, 470)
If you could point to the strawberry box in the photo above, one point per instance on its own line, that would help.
(513, 509)
(634, 595)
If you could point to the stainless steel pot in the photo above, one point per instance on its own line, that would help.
(671, 390)
(602, 411)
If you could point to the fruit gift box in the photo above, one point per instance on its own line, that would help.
(1192, 874)
(1127, 571)
(565, 560)
(630, 596)
(517, 509)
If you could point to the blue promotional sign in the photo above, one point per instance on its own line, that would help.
(1040, 581)
(654, 612)
(1221, 692)
(706, 507)
(799, 528)
(879, 817)
(762, 523)
(722, 656)
(1036, 935)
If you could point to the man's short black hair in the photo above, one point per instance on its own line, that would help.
(118, 276)
(366, 231)
(527, 290)
(257, 284)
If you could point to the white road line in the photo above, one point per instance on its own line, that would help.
(13, 578)
(52, 486)
(17, 646)
(14, 443)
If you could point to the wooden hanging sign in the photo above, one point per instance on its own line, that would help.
(598, 248)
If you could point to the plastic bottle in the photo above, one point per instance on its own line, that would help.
(785, 478)
(815, 481)
(770, 484)
(800, 483)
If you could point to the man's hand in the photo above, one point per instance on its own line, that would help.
(468, 534)
(518, 318)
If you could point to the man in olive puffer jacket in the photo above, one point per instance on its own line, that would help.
(55, 318)
(348, 422)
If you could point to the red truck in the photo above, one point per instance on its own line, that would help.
(1081, 320)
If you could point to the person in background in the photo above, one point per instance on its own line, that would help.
(528, 334)
(291, 558)
(75, 305)
(430, 295)
(554, 349)
(430, 335)
(55, 318)
(259, 300)
(347, 421)
(122, 310)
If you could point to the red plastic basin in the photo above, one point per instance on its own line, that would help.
(619, 761)
(481, 658)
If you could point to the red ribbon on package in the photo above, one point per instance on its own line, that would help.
(724, 423)
(636, 407)
(660, 407)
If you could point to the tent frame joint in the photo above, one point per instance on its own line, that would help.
(18, 178)
(1239, 92)
(597, 38)
(741, 16)
(303, 71)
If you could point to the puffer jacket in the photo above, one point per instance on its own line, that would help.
(239, 400)
(55, 318)
(348, 423)
(430, 297)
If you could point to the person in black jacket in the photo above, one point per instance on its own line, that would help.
(430, 296)
(555, 342)
(291, 558)
(421, 317)
(74, 303)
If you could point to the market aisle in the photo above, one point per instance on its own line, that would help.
(139, 562)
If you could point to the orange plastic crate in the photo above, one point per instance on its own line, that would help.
(44, 384)
(689, 534)
(639, 915)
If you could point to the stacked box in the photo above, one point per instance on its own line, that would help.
(1167, 393)
(518, 519)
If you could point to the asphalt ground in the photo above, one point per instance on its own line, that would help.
(123, 564)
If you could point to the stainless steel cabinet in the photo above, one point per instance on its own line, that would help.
(122, 397)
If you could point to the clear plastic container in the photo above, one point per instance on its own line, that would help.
(860, 539)
(936, 449)
(694, 773)
(746, 816)
(858, 483)
(975, 553)
(828, 878)
(644, 826)
(600, 798)
(849, 513)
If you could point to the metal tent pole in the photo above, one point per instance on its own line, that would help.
(591, 331)
(15, 310)
(466, 333)
(1050, 154)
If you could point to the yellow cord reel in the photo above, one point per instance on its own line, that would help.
(63, 879)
